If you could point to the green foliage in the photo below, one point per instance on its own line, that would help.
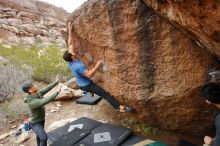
(45, 63)
(150, 130)
(139, 127)
(15, 109)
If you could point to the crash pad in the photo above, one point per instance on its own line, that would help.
(86, 123)
(88, 132)
(89, 99)
(71, 137)
(83, 123)
(106, 135)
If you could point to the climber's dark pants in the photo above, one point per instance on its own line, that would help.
(94, 88)
(41, 135)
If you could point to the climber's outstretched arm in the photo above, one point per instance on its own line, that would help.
(90, 73)
(70, 37)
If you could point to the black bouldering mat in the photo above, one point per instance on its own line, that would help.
(82, 123)
(185, 143)
(56, 133)
(105, 135)
(89, 99)
(71, 138)
(133, 140)
(85, 123)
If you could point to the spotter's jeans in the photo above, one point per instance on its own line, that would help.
(41, 135)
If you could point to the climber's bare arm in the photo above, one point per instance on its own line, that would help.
(70, 37)
(90, 73)
(71, 49)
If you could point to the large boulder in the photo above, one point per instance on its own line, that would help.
(199, 19)
(149, 64)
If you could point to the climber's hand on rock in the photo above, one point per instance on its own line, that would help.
(63, 30)
(208, 140)
(70, 26)
(99, 63)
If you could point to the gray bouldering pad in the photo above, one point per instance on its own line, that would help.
(89, 99)
(86, 123)
(88, 132)
(105, 135)
(81, 123)
(71, 137)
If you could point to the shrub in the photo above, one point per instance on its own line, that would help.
(46, 63)
(11, 79)
(15, 109)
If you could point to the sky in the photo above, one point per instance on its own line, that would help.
(68, 5)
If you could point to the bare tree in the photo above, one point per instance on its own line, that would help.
(11, 78)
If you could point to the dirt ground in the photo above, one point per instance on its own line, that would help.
(102, 111)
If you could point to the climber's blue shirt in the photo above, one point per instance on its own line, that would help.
(78, 69)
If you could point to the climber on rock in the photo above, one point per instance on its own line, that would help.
(211, 92)
(83, 75)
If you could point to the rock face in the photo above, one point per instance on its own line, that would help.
(31, 22)
(199, 19)
(149, 64)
